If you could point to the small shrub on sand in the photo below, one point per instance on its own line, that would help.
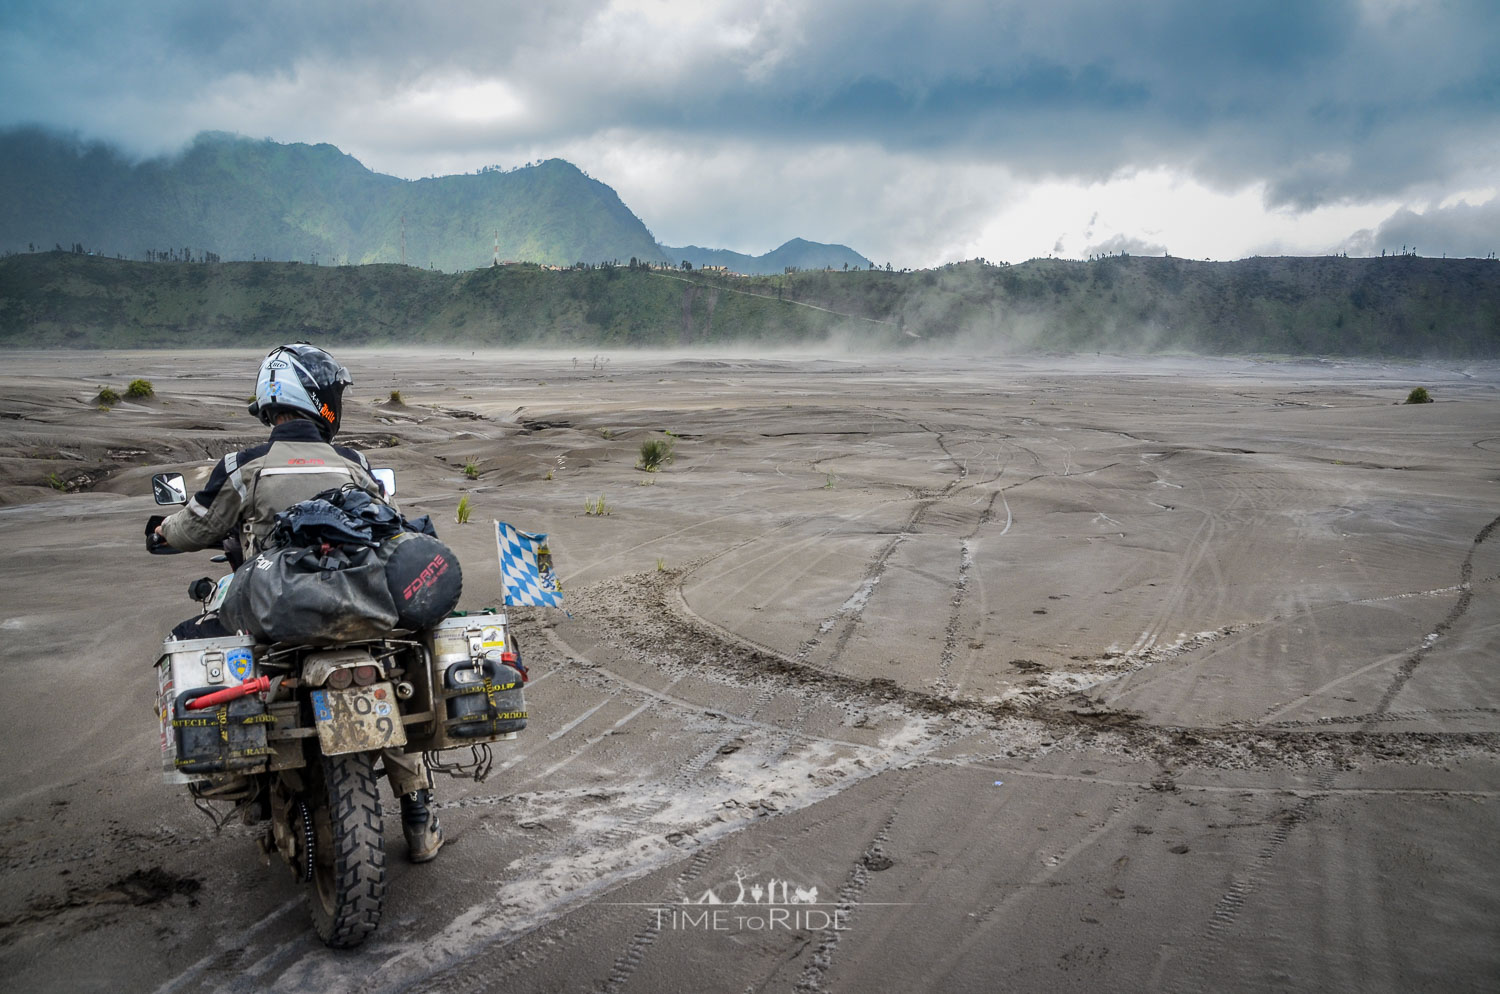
(471, 469)
(107, 396)
(396, 398)
(655, 453)
(140, 390)
(1419, 395)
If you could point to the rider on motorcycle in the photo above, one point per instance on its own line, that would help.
(299, 393)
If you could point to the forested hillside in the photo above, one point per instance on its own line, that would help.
(1399, 306)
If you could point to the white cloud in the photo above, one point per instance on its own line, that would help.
(1459, 230)
(1159, 210)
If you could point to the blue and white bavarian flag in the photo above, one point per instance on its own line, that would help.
(526, 576)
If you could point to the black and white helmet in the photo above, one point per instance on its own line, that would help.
(304, 380)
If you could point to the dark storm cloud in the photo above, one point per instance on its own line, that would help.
(131, 71)
(180, 39)
(1324, 102)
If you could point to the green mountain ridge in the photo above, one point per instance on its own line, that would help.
(245, 199)
(236, 198)
(1402, 306)
(795, 254)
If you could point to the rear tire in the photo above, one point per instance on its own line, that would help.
(349, 868)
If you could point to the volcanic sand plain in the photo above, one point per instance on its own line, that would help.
(947, 673)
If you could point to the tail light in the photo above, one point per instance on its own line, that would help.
(365, 675)
(341, 678)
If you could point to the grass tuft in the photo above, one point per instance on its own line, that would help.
(655, 453)
(1419, 395)
(463, 510)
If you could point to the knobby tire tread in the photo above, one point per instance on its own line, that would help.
(358, 852)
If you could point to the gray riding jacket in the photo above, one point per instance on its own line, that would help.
(246, 489)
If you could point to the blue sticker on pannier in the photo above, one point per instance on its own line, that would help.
(240, 663)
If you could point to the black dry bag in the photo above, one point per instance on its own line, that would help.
(423, 577)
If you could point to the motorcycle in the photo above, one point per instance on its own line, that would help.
(289, 734)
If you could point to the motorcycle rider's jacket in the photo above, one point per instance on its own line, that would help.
(247, 488)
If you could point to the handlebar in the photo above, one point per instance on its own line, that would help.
(155, 544)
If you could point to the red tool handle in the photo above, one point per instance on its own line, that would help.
(252, 686)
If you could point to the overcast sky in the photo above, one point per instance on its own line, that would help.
(915, 133)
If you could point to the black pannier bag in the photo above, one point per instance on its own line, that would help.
(342, 567)
(423, 577)
(293, 594)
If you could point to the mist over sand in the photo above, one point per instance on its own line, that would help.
(1032, 673)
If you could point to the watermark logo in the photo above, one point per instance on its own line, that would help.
(757, 893)
(751, 904)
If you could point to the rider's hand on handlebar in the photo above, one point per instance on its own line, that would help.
(156, 542)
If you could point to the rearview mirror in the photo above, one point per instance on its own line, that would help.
(169, 488)
(387, 480)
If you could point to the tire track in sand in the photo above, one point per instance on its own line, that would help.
(1465, 596)
(816, 972)
(944, 683)
(850, 614)
(1199, 974)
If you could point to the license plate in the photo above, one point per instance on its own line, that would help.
(358, 719)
